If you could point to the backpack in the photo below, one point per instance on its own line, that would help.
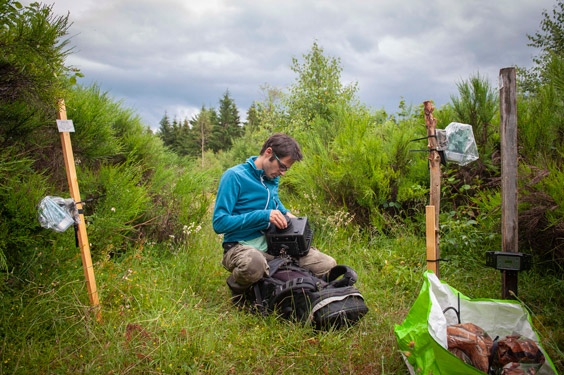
(296, 294)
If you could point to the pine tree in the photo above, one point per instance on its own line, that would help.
(228, 127)
(185, 142)
(477, 105)
(253, 120)
(201, 124)
(165, 131)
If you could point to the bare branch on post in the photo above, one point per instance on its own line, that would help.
(435, 169)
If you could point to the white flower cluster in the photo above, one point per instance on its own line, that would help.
(192, 228)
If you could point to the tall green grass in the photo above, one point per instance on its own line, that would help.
(166, 310)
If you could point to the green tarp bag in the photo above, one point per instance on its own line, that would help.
(422, 337)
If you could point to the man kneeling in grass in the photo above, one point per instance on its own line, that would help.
(247, 205)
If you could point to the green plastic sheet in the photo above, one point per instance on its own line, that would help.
(422, 336)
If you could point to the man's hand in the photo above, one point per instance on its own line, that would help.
(278, 219)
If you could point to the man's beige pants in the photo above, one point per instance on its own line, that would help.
(249, 264)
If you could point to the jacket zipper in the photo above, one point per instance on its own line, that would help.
(268, 191)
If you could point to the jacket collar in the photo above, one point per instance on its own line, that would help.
(251, 162)
(259, 173)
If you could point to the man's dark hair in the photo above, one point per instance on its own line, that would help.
(283, 145)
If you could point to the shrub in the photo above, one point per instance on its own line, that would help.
(366, 169)
(120, 208)
(21, 189)
(93, 114)
(541, 210)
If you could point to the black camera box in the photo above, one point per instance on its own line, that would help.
(294, 240)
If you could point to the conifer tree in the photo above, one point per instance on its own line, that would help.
(253, 120)
(201, 124)
(228, 126)
(477, 105)
(186, 143)
(165, 131)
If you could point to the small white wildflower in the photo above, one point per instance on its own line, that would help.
(113, 209)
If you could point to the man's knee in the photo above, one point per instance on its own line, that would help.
(248, 265)
(317, 262)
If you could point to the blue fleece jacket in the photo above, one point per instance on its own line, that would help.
(244, 200)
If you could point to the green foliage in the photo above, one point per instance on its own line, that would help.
(541, 136)
(316, 90)
(114, 217)
(21, 189)
(105, 130)
(228, 127)
(253, 120)
(551, 38)
(540, 117)
(366, 168)
(134, 207)
(32, 54)
(477, 105)
(549, 41)
(168, 312)
(243, 148)
(93, 113)
(206, 130)
(202, 128)
(165, 131)
(189, 197)
(541, 210)
(465, 235)
(138, 143)
(158, 261)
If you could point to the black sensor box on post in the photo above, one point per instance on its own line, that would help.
(294, 240)
(508, 261)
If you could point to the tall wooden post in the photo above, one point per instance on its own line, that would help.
(75, 195)
(509, 212)
(435, 190)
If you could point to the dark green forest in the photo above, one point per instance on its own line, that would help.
(163, 297)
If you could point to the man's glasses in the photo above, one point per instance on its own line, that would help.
(283, 168)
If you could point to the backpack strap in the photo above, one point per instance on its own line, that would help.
(348, 279)
(278, 262)
(326, 301)
(281, 291)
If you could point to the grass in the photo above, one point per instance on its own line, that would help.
(165, 310)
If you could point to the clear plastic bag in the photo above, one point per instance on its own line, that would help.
(457, 142)
(57, 213)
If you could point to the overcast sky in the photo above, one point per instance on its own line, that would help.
(177, 55)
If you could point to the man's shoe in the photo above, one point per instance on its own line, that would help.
(237, 291)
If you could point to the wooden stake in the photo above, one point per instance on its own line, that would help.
(435, 169)
(75, 195)
(509, 160)
(432, 264)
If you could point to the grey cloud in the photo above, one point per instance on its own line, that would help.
(161, 55)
